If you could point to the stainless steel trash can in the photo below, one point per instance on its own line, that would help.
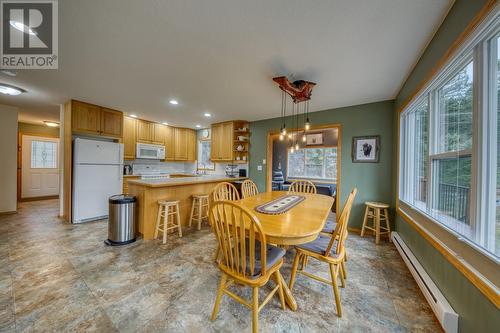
(121, 224)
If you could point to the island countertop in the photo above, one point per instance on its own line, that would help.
(187, 180)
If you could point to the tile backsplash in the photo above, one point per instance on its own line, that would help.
(156, 167)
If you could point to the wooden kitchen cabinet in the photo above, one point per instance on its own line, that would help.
(145, 131)
(170, 143)
(181, 140)
(159, 134)
(111, 122)
(191, 145)
(222, 142)
(129, 137)
(92, 119)
(85, 118)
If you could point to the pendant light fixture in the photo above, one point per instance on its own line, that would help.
(300, 92)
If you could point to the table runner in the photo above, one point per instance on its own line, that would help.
(280, 205)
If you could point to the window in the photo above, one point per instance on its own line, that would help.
(204, 162)
(450, 146)
(43, 155)
(313, 163)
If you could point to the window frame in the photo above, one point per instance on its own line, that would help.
(479, 49)
(318, 180)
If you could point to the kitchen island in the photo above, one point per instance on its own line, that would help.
(149, 191)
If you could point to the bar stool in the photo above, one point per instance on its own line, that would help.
(199, 209)
(378, 212)
(168, 218)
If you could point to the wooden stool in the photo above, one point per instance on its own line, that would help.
(199, 209)
(377, 212)
(168, 218)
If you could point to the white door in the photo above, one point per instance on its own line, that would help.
(40, 166)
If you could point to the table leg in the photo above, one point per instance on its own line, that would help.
(289, 299)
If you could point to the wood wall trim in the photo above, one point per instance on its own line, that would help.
(450, 51)
(485, 286)
(269, 157)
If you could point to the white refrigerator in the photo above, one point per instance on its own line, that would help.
(97, 175)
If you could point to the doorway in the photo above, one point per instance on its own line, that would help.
(318, 159)
(39, 161)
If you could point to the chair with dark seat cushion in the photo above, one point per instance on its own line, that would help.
(245, 256)
(330, 224)
(328, 249)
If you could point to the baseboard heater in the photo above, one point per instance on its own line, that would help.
(447, 317)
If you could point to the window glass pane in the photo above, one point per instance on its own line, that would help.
(313, 163)
(455, 112)
(421, 152)
(204, 161)
(43, 155)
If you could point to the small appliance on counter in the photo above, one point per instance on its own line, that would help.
(242, 172)
(232, 170)
(127, 169)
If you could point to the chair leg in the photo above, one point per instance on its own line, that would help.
(377, 226)
(178, 220)
(387, 223)
(255, 309)
(294, 269)
(344, 271)
(280, 280)
(219, 296)
(200, 214)
(217, 251)
(341, 275)
(158, 220)
(334, 273)
(304, 263)
(166, 217)
(192, 212)
(365, 219)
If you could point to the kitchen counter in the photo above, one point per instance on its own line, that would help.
(178, 187)
(186, 180)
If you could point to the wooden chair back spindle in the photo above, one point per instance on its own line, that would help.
(302, 186)
(236, 242)
(249, 189)
(340, 233)
(225, 192)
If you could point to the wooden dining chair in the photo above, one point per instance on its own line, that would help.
(249, 189)
(247, 259)
(328, 249)
(225, 192)
(302, 186)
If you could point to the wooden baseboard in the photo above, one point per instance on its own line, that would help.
(8, 213)
(49, 197)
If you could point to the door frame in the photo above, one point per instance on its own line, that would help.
(269, 162)
(20, 164)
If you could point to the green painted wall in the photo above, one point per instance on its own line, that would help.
(373, 180)
(477, 313)
(33, 129)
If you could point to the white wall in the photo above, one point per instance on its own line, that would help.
(8, 152)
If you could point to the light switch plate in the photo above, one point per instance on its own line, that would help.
(259, 167)
(264, 162)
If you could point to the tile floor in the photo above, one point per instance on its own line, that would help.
(56, 277)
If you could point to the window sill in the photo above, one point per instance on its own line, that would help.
(481, 270)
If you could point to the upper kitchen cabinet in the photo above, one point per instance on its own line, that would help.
(170, 143)
(222, 142)
(129, 137)
(191, 145)
(144, 131)
(111, 122)
(92, 119)
(85, 118)
(159, 134)
(181, 140)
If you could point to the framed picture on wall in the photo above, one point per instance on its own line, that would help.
(366, 149)
(314, 139)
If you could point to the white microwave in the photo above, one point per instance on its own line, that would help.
(152, 152)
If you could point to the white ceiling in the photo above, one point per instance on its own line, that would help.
(219, 56)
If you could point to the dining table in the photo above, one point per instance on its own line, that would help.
(300, 224)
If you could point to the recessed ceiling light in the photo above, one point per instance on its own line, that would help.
(133, 115)
(173, 102)
(7, 89)
(165, 123)
(51, 123)
(208, 115)
(198, 126)
(21, 27)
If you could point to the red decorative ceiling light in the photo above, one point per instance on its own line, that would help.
(300, 92)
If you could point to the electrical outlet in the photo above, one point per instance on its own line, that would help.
(259, 167)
